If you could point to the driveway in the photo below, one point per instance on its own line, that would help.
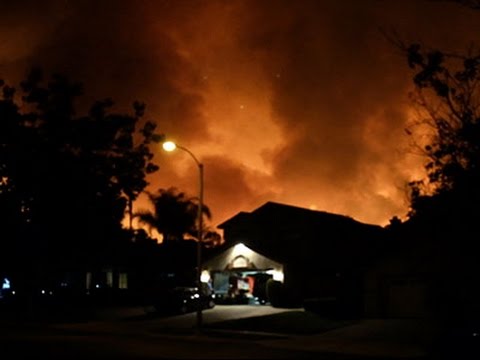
(218, 313)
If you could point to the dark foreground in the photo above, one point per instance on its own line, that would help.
(109, 340)
(140, 336)
(93, 346)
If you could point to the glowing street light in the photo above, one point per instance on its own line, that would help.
(171, 146)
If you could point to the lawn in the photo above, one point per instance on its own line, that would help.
(291, 322)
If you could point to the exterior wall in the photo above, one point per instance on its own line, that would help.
(392, 291)
(406, 297)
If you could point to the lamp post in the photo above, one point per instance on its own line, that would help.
(171, 146)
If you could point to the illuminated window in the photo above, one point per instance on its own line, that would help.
(109, 275)
(88, 280)
(122, 281)
(240, 262)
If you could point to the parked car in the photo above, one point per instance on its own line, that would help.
(184, 299)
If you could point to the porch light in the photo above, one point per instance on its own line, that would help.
(276, 274)
(205, 276)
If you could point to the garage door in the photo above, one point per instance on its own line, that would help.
(407, 298)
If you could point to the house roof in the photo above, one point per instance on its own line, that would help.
(238, 218)
(279, 210)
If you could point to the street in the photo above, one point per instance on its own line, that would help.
(132, 335)
(126, 346)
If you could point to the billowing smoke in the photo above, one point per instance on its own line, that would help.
(302, 102)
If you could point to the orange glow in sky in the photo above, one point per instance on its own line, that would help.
(302, 102)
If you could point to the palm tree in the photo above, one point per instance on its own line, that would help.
(211, 238)
(174, 214)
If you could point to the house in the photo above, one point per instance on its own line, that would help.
(323, 255)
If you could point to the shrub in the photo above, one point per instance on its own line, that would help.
(275, 293)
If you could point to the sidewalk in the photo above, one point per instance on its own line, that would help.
(390, 338)
(376, 338)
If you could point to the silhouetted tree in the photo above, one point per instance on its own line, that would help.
(65, 179)
(394, 222)
(174, 214)
(445, 205)
(448, 94)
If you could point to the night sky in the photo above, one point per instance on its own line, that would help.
(300, 102)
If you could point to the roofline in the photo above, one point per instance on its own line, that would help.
(245, 213)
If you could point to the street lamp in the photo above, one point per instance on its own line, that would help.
(171, 146)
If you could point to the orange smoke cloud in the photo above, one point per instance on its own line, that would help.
(302, 102)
